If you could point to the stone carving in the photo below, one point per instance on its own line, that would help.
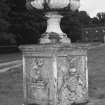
(73, 83)
(35, 72)
(39, 86)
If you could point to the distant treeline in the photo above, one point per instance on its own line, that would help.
(21, 26)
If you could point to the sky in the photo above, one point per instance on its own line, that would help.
(92, 6)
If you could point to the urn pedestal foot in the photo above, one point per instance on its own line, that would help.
(53, 38)
(53, 32)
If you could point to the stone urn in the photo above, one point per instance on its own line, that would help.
(52, 10)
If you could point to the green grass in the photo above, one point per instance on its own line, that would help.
(11, 90)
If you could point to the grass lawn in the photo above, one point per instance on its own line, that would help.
(10, 57)
(96, 66)
(11, 90)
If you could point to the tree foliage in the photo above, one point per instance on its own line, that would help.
(4, 9)
(26, 25)
(71, 25)
(101, 18)
(5, 24)
(84, 18)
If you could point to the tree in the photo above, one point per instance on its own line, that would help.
(27, 25)
(4, 9)
(4, 23)
(84, 18)
(101, 18)
(71, 25)
(95, 21)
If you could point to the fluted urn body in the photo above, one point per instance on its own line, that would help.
(51, 8)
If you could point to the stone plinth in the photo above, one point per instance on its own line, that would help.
(55, 74)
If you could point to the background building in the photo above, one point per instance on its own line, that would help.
(93, 34)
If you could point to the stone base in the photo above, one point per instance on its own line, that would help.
(55, 74)
(85, 103)
(53, 38)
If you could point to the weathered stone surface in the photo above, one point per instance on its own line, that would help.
(55, 74)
